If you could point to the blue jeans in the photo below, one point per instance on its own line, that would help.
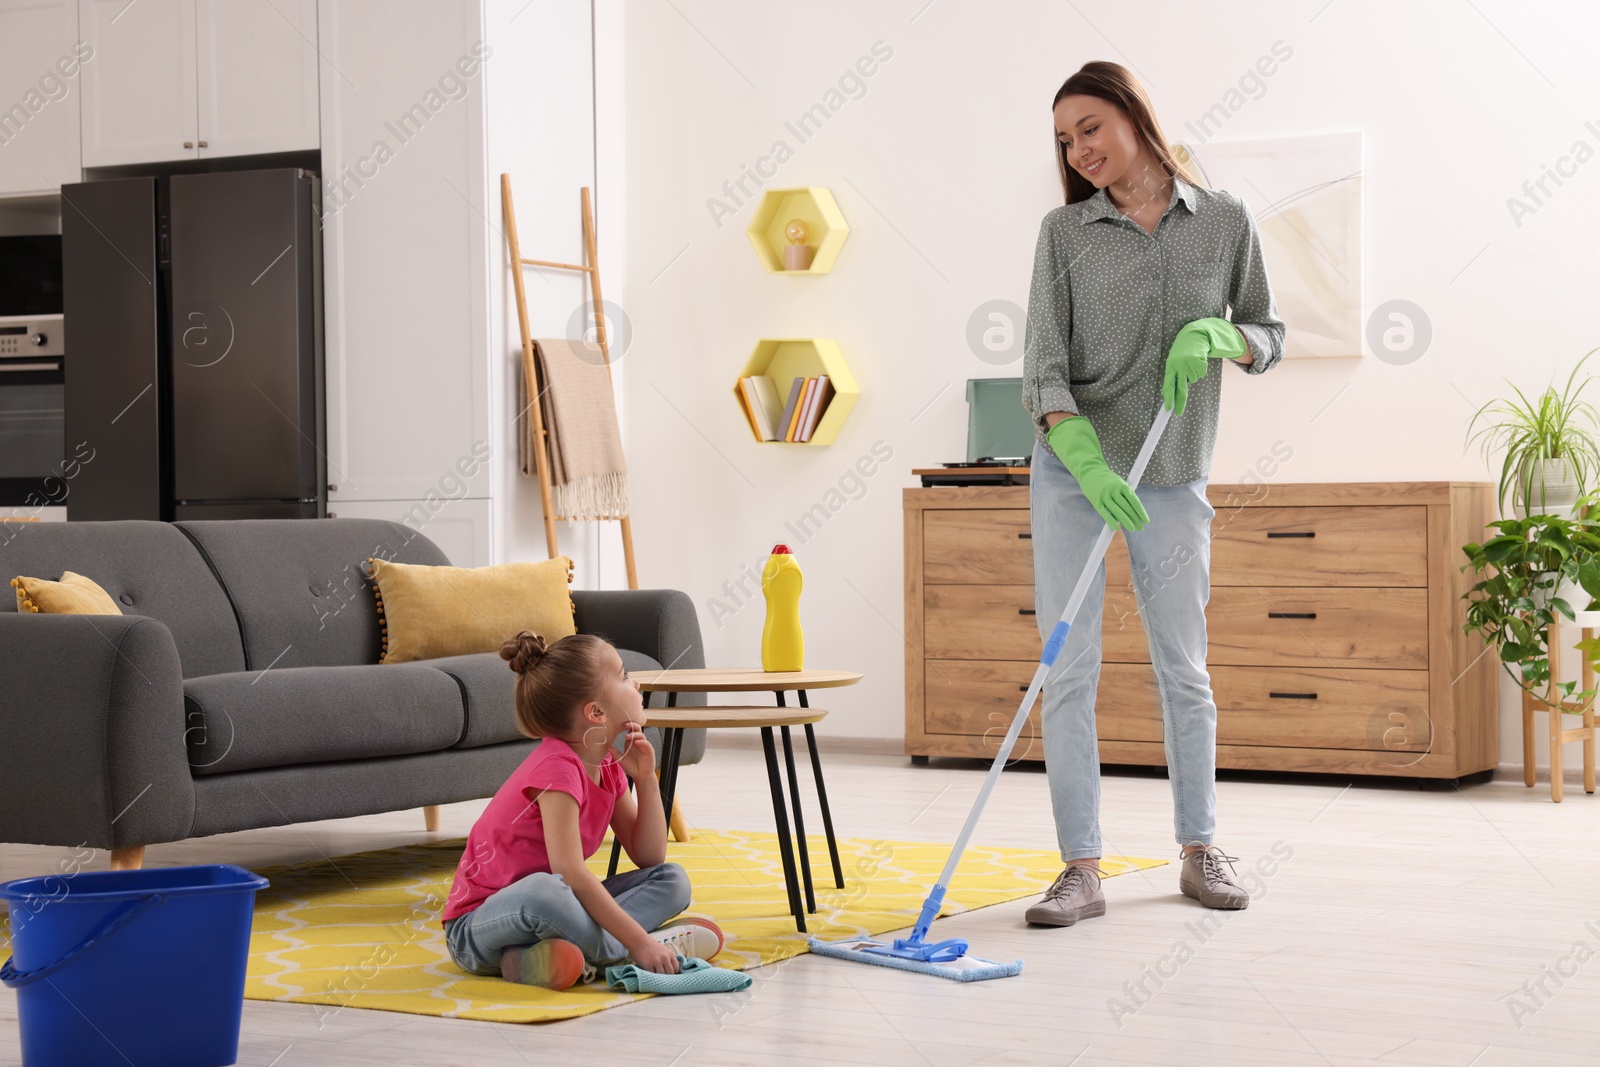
(1171, 560)
(543, 905)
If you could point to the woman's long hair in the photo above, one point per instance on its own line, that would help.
(1116, 84)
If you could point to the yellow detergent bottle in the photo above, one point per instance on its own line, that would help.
(783, 648)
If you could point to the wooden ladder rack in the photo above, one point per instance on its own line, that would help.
(529, 366)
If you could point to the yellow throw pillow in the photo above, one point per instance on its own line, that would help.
(428, 612)
(72, 595)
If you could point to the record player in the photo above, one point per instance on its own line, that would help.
(999, 438)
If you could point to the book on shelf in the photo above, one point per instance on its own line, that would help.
(751, 403)
(808, 397)
(771, 408)
(819, 404)
(791, 409)
(758, 395)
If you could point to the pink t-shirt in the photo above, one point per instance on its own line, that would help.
(507, 841)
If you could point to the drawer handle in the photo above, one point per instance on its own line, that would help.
(1027, 611)
(1292, 696)
(1291, 614)
(1275, 533)
(1026, 536)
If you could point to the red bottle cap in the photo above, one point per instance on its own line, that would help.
(781, 550)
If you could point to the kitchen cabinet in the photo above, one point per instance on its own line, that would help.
(1333, 624)
(41, 67)
(257, 76)
(404, 252)
(197, 79)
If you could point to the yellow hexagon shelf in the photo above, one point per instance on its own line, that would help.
(787, 358)
(814, 206)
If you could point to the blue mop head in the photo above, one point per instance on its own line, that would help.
(961, 969)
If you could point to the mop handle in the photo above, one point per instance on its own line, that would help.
(1052, 649)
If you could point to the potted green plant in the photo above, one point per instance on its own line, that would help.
(1549, 445)
(1522, 571)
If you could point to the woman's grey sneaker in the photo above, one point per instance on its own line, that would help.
(1201, 877)
(1074, 895)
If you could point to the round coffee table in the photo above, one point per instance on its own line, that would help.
(674, 720)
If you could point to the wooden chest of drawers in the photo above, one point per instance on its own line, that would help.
(1334, 630)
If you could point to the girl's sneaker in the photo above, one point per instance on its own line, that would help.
(551, 964)
(691, 936)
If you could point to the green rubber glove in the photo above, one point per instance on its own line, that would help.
(1197, 342)
(1074, 440)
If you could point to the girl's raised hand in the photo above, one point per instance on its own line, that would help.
(639, 756)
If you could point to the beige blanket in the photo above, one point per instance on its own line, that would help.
(588, 471)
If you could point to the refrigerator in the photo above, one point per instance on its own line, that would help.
(196, 366)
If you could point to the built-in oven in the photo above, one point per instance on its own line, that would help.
(34, 460)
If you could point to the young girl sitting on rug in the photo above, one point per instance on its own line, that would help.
(524, 905)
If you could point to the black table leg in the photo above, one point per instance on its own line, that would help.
(616, 845)
(794, 794)
(672, 740)
(822, 796)
(781, 819)
(668, 761)
(799, 822)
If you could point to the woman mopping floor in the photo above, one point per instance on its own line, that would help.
(1131, 280)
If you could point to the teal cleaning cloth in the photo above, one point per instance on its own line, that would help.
(694, 976)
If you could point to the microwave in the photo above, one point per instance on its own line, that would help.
(30, 275)
(34, 460)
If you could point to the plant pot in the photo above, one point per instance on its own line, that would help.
(1574, 594)
(1554, 487)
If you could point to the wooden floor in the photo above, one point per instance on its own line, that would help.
(1401, 930)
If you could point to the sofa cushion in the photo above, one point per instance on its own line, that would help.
(488, 692)
(74, 594)
(149, 568)
(288, 716)
(488, 686)
(299, 587)
(434, 612)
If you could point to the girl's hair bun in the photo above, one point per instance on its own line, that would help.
(524, 651)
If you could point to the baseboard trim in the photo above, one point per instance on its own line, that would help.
(1571, 776)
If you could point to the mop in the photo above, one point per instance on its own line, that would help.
(949, 959)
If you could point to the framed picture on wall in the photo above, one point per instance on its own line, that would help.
(1305, 194)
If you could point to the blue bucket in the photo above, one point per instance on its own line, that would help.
(131, 967)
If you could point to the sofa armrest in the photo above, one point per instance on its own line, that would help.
(91, 709)
(661, 623)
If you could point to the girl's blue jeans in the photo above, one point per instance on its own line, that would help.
(542, 905)
(1171, 560)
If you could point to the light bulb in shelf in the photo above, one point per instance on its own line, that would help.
(797, 255)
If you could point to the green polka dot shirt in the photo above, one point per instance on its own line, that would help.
(1107, 299)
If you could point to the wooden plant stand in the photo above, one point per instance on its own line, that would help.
(1555, 707)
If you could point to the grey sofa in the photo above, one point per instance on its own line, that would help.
(242, 688)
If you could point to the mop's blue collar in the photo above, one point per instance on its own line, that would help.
(1099, 206)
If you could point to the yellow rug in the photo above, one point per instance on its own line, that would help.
(363, 931)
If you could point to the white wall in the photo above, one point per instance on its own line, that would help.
(542, 124)
(944, 168)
